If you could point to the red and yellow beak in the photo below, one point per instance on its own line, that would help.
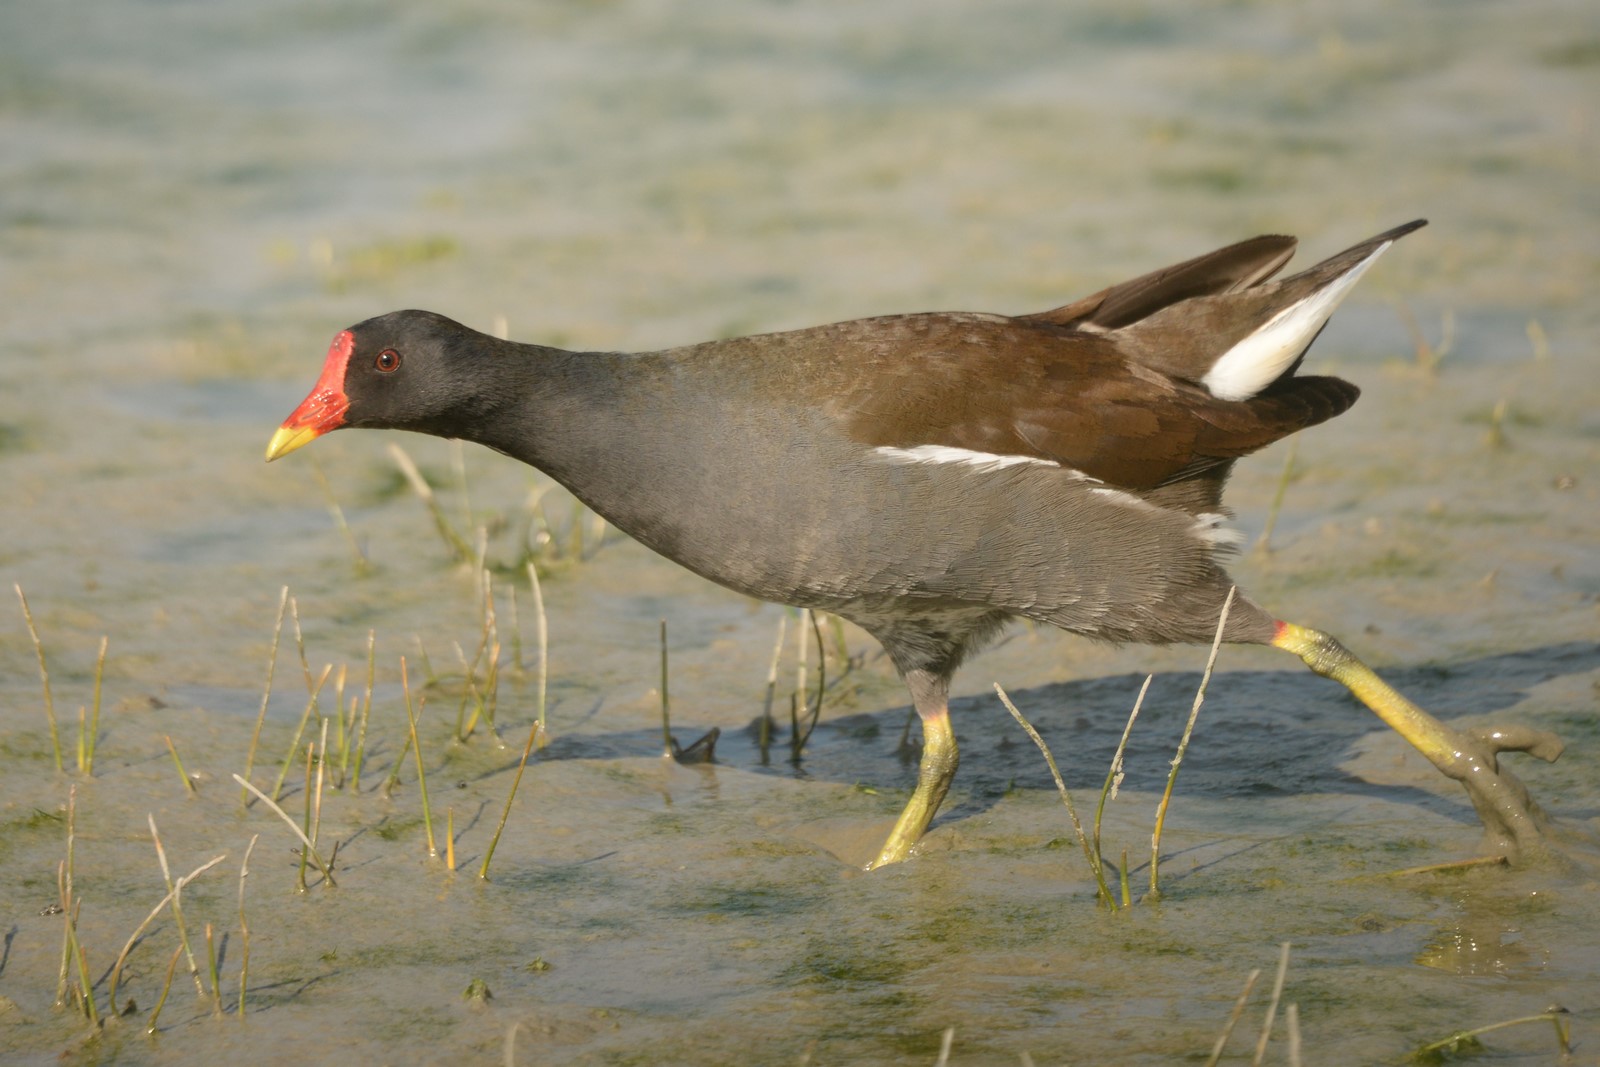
(323, 409)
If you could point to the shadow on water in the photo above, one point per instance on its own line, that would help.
(1260, 734)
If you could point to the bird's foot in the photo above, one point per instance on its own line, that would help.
(1514, 824)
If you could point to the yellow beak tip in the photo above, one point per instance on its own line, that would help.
(287, 439)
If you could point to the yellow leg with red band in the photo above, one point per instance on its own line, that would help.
(1511, 817)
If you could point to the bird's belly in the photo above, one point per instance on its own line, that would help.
(869, 538)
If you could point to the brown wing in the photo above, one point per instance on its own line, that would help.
(1108, 385)
(1227, 270)
(1024, 387)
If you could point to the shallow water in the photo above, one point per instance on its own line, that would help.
(198, 196)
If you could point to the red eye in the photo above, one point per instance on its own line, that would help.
(388, 361)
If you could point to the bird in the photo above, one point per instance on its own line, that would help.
(932, 476)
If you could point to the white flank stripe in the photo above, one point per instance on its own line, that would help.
(966, 457)
(1125, 498)
(1255, 362)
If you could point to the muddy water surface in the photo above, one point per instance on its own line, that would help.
(198, 196)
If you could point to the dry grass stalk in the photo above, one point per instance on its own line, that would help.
(305, 717)
(64, 885)
(306, 819)
(424, 491)
(1263, 543)
(44, 676)
(1466, 1041)
(272, 805)
(177, 761)
(798, 739)
(1114, 774)
(1183, 746)
(1428, 355)
(266, 692)
(416, 749)
(337, 513)
(505, 814)
(122, 957)
(86, 745)
(536, 735)
(542, 638)
(244, 927)
(666, 702)
(1066, 798)
(175, 889)
(341, 738)
(764, 732)
(166, 987)
(1272, 1007)
(216, 983)
(1233, 1019)
(80, 957)
(316, 805)
(299, 642)
(366, 711)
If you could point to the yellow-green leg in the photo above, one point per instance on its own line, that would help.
(1511, 817)
(938, 767)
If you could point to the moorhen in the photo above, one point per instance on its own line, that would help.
(931, 476)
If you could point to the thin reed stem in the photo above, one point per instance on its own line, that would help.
(1555, 1014)
(266, 692)
(366, 711)
(542, 638)
(44, 676)
(416, 750)
(666, 702)
(244, 927)
(300, 642)
(419, 485)
(306, 819)
(166, 987)
(802, 688)
(177, 761)
(299, 731)
(176, 891)
(341, 738)
(815, 713)
(1263, 543)
(1066, 798)
(80, 957)
(764, 733)
(216, 980)
(1183, 746)
(337, 513)
(1115, 774)
(64, 885)
(1272, 1007)
(1233, 1019)
(316, 804)
(116, 969)
(272, 805)
(87, 763)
